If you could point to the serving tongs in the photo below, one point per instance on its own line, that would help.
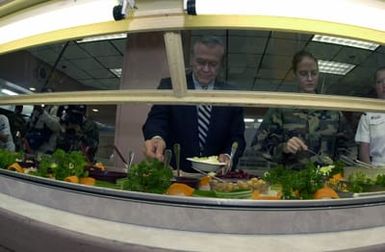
(322, 158)
(130, 159)
(127, 162)
(234, 148)
(177, 158)
(207, 174)
(355, 162)
(167, 158)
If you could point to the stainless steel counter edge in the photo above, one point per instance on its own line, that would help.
(198, 214)
(198, 201)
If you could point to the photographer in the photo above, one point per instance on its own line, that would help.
(80, 133)
(43, 129)
(6, 141)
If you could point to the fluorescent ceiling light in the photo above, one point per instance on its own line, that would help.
(55, 16)
(333, 67)
(346, 42)
(104, 37)
(250, 120)
(369, 14)
(259, 120)
(95, 110)
(116, 71)
(8, 92)
(14, 87)
(32, 89)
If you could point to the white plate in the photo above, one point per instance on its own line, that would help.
(205, 165)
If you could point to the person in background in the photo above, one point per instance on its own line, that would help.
(18, 125)
(79, 132)
(6, 140)
(43, 128)
(170, 124)
(289, 136)
(371, 129)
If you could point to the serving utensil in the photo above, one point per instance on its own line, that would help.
(354, 162)
(120, 155)
(206, 174)
(322, 158)
(167, 158)
(234, 148)
(130, 159)
(177, 158)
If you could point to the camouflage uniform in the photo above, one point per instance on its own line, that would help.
(323, 131)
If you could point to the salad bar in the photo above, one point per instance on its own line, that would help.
(222, 205)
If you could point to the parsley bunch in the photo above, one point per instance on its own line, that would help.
(150, 175)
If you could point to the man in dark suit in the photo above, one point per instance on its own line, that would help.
(170, 124)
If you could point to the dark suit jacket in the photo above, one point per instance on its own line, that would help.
(178, 124)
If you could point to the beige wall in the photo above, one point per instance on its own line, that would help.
(144, 65)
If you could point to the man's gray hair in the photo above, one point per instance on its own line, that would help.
(208, 40)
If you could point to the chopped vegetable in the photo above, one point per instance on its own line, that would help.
(7, 158)
(180, 189)
(72, 179)
(150, 175)
(325, 193)
(305, 182)
(16, 167)
(61, 165)
(87, 181)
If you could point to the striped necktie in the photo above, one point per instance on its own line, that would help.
(204, 114)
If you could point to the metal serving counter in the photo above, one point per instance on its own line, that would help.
(225, 216)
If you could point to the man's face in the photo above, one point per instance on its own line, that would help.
(307, 75)
(206, 62)
(380, 84)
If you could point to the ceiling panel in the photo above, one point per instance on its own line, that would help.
(87, 64)
(253, 45)
(197, 33)
(284, 47)
(271, 73)
(265, 85)
(75, 72)
(111, 83)
(120, 44)
(101, 74)
(92, 83)
(111, 61)
(291, 36)
(237, 60)
(47, 55)
(249, 33)
(352, 55)
(276, 61)
(323, 51)
(73, 51)
(375, 60)
(100, 48)
(287, 87)
(262, 55)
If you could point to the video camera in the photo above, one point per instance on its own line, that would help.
(73, 114)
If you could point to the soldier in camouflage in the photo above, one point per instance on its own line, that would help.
(322, 131)
(289, 136)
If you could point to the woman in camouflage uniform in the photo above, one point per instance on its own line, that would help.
(285, 135)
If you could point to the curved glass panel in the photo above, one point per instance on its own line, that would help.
(113, 62)
(262, 61)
